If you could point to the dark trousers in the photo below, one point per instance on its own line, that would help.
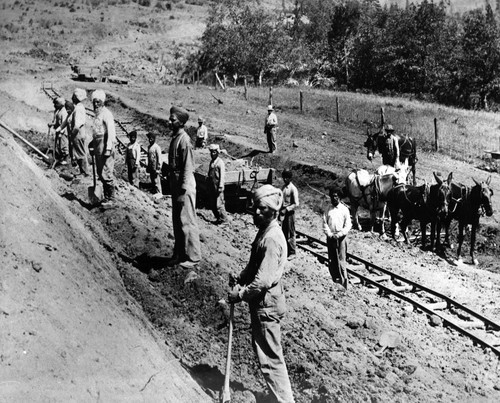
(337, 253)
(288, 227)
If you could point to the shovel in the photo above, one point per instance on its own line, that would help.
(95, 192)
(225, 396)
(56, 137)
(388, 339)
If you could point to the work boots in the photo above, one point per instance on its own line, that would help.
(109, 197)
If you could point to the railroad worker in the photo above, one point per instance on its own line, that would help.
(336, 226)
(154, 165)
(187, 248)
(270, 128)
(260, 285)
(61, 143)
(390, 148)
(133, 159)
(70, 107)
(215, 182)
(201, 134)
(287, 212)
(76, 122)
(103, 141)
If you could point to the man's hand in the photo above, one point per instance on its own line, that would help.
(107, 153)
(50, 125)
(233, 280)
(181, 199)
(233, 296)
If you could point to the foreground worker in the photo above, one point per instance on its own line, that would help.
(287, 212)
(336, 226)
(259, 284)
(133, 159)
(215, 181)
(187, 250)
(60, 117)
(103, 141)
(68, 105)
(270, 128)
(76, 122)
(201, 134)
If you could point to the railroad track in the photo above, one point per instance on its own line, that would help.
(452, 313)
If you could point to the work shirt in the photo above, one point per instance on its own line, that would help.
(261, 278)
(338, 221)
(133, 154)
(290, 197)
(103, 126)
(271, 120)
(202, 132)
(181, 160)
(79, 118)
(154, 158)
(60, 116)
(216, 173)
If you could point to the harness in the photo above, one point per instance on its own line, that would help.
(362, 188)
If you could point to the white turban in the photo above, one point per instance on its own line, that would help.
(80, 94)
(99, 94)
(270, 196)
(214, 147)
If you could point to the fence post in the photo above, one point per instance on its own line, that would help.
(198, 77)
(301, 97)
(270, 95)
(382, 118)
(337, 109)
(246, 90)
(436, 135)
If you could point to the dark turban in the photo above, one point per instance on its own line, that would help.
(181, 114)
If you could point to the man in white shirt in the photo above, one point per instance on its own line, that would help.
(270, 128)
(336, 225)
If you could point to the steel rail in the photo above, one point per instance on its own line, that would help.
(415, 287)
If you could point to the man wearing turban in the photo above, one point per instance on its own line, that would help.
(76, 125)
(259, 284)
(103, 142)
(215, 181)
(60, 117)
(187, 249)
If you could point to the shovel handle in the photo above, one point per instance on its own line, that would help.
(45, 157)
(226, 391)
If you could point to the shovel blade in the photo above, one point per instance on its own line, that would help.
(95, 194)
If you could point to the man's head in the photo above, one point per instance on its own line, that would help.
(178, 117)
(267, 202)
(214, 150)
(200, 120)
(98, 98)
(151, 137)
(389, 129)
(59, 102)
(270, 108)
(132, 136)
(79, 95)
(335, 195)
(287, 176)
(69, 106)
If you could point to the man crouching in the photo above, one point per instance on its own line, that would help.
(259, 284)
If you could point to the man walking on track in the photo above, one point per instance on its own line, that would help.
(270, 128)
(215, 179)
(287, 212)
(259, 284)
(336, 225)
(103, 141)
(187, 249)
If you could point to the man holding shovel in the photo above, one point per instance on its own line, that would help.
(103, 141)
(61, 136)
(259, 284)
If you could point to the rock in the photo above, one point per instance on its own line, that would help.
(36, 266)
(154, 276)
(294, 144)
(435, 320)
(354, 323)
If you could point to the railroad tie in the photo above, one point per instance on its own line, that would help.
(436, 306)
(403, 288)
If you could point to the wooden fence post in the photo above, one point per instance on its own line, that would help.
(246, 90)
(337, 109)
(270, 95)
(436, 135)
(198, 77)
(382, 118)
(301, 97)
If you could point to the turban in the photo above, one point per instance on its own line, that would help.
(59, 101)
(268, 195)
(214, 147)
(99, 94)
(270, 108)
(200, 119)
(80, 94)
(181, 114)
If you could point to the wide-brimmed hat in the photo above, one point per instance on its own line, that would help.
(389, 128)
(270, 108)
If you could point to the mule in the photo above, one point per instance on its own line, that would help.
(427, 204)
(467, 205)
(370, 192)
(407, 150)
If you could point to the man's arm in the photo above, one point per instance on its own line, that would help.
(109, 122)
